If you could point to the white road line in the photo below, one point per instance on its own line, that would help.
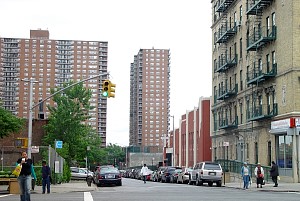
(2, 196)
(88, 196)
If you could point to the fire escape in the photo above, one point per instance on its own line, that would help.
(260, 72)
(227, 59)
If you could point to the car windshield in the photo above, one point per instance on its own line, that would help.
(211, 166)
(189, 170)
(178, 170)
(108, 170)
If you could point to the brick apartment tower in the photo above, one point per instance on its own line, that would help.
(149, 97)
(51, 63)
(255, 82)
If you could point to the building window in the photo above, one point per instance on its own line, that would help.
(284, 147)
(241, 48)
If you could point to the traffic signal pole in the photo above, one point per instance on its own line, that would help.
(31, 106)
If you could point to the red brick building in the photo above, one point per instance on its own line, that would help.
(192, 138)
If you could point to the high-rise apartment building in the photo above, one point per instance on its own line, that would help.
(149, 97)
(51, 63)
(256, 65)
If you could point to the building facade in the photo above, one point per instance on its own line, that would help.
(192, 143)
(255, 73)
(149, 97)
(51, 63)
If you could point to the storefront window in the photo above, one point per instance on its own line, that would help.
(285, 151)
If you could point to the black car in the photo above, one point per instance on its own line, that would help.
(109, 176)
(166, 175)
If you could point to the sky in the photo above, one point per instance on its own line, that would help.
(128, 25)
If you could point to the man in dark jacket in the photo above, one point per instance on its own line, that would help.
(46, 173)
(274, 173)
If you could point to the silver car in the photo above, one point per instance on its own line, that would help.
(80, 173)
(209, 172)
(183, 177)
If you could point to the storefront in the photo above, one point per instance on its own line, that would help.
(287, 143)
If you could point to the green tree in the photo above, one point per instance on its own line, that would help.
(9, 123)
(66, 121)
(115, 154)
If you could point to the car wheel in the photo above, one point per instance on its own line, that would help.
(119, 184)
(219, 184)
(200, 182)
(210, 184)
(98, 185)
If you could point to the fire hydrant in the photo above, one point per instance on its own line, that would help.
(89, 180)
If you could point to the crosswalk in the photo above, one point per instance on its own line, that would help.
(88, 196)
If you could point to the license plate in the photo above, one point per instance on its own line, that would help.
(110, 176)
(212, 173)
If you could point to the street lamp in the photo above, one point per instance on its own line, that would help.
(31, 81)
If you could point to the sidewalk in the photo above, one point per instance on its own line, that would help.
(282, 187)
(72, 186)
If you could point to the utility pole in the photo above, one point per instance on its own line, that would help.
(31, 107)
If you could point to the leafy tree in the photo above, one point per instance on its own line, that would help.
(115, 154)
(66, 121)
(9, 123)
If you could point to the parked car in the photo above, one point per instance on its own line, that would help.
(80, 173)
(166, 175)
(207, 172)
(109, 176)
(159, 173)
(174, 175)
(97, 171)
(183, 176)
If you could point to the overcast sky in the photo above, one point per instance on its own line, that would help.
(127, 25)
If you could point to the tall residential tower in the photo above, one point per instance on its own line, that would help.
(149, 97)
(51, 63)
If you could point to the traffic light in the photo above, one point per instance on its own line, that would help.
(105, 87)
(21, 142)
(111, 90)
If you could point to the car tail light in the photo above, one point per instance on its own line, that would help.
(119, 176)
(176, 174)
(166, 174)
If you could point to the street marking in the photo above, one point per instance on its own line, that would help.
(2, 196)
(88, 196)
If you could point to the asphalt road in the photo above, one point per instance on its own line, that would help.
(136, 190)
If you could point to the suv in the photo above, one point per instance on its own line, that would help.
(206, 172)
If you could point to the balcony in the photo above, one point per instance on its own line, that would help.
(228, 123)
(225, 93)
(260, 75)
(225, 33)
(225, 63)
(261, 112)
(223, 5)
(255, 7)
(260, 37)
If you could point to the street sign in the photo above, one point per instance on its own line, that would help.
(59, 144)
(35, 149)
(226, 144)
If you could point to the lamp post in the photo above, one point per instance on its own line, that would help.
(31, 107)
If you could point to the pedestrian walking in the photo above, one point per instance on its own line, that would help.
(144, 172)
(259, 173)
(46, 173)
(274, 173)
(24, 179)
(245, 172)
